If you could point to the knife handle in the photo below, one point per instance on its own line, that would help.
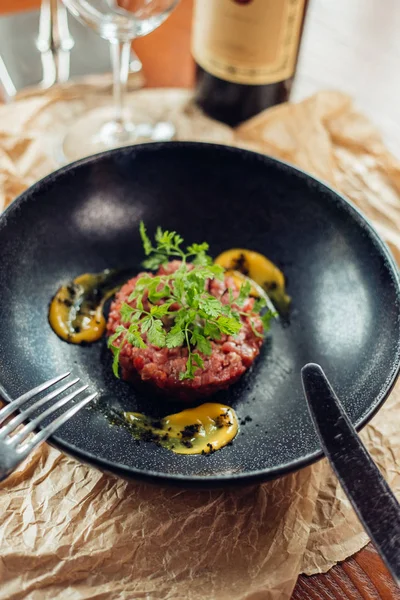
(367, 490)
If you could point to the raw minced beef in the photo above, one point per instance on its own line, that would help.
(231, 355)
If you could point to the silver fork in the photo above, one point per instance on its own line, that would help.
(13, 448)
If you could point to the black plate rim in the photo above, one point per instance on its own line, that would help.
(232, 478)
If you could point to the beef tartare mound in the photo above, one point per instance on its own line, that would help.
(230, 356)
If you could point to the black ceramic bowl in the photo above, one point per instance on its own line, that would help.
(343, 282)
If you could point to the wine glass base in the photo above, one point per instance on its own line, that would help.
(96, 131)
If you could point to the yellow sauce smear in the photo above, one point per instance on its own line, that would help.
(260, 269)
(200, 430)
(76, 311)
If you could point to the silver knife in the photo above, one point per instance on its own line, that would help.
(368, 492)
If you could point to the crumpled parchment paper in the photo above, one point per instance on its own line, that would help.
(68, 531)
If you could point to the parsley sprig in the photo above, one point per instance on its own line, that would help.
(176, 309)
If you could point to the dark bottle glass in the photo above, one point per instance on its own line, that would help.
(246, 53)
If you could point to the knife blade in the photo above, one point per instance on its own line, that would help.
(367, 490)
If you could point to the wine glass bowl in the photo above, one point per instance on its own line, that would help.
(119, 22)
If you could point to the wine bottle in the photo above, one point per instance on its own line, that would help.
(246, 53)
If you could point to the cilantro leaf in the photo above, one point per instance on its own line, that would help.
(210, 305)
(178, 286)
(201, 342)
(181, 318)
(216, 272)
(197, 248)
(259, 304)
(188, 374)
(160, 310)
(163, 292)
(202, 259)
(192, 297)
(147, 245)
(229, 325)
(199, 251)
(134, 337)
(140, 287)
(116, 350)
(120, 329)
(155, 261)
(156, 334)
(126, 312)
(245, 290)
(194, 361)
(175, 337)
(267, 317)
(168, 245)
(197, 360)
(145, 324)
(211, 330)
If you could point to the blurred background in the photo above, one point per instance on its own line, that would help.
(352, 46)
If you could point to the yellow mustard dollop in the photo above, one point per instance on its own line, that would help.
(76, 310)
(199, 430)
(258, 268)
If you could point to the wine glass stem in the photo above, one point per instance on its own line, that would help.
(120, 56)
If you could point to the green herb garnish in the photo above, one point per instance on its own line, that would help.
(179, 309)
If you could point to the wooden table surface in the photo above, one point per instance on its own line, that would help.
(350, 45)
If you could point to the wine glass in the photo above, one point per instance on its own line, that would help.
(119, 22)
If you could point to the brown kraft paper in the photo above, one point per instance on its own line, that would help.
(68, 531)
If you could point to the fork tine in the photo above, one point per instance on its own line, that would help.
(13, 424)
(10, 408)
(43, 435)
(19, 437)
